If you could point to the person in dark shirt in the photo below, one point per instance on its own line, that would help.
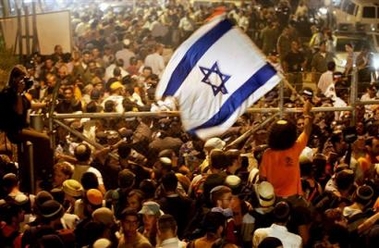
(293, 64)
(15, 103)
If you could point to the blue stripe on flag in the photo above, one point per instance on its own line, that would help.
(239, 96)
(194, 54)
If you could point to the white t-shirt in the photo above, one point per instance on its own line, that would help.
(79, 170)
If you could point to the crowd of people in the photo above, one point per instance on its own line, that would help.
(306, 179)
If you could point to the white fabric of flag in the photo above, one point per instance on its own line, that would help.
(215, 75)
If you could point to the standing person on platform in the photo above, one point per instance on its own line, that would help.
(293, 65)
(155, 60)
(14, 105)
(280, 162)
(319, 63)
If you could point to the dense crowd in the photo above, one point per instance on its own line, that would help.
(308, 179)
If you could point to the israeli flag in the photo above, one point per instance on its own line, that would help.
(215, 75)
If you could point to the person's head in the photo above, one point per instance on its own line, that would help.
(300, 124)
(51, 80)
(124, 150)
(135, 199)
(234, 182)
(73, 190)
(331, 66)
(51, 211)
(294, 46)
(17, 77)
(162, 166)
(372, 145)
(93, 200)
(68, 93)
(270, 242)
(214, 223)
(265, 194)
(11, 213)
(221, 196)
(273, 57)
(63, 71)
(49, 62)
(166, 227)
(89, 181)
(148, 187)
(159, 48)
(105, 216)
(126, 179)
(82, 153)
(286, 130)
(147, 71)
(62, 172)
(213, 143)
(233, 157)
(364, 195)
(344, 179)
(96, 53)
(9, 182)
(58, 49)
(39, 199)
(282, 212)
(307, 93)
(133, 61)
(217, 160)
(129, 222)
(170, 182)
(371, 90)
(338, 142)
(86, 56)
(117, 88)
(150, 213)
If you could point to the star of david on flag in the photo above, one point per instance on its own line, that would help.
(215, 75)
(222, 77)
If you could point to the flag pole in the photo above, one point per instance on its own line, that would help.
(293, 90)
(246, 134)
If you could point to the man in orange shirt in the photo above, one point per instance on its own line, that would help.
(280, 162)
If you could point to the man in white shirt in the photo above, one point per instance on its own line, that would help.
(167, 237)
(326, 78)
(278, 230)
(82, 154)
(109, 71)
(156, 61)
(331, 93)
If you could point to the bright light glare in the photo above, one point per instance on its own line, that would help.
(341, 62)
(376, 62)
(103, 6)
(323, 11)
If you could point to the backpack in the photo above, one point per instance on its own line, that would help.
(310, 193)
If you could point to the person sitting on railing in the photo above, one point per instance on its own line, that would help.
(15, 103)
